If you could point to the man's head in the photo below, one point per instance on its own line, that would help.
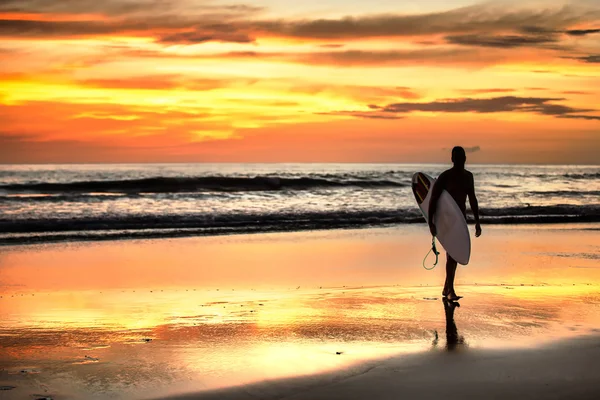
(459, 157)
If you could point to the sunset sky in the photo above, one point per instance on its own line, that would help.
(299, 81)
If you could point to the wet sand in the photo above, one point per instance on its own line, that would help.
(266, 315)
(565, 370)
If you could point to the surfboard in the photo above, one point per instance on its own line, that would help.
(450, 223)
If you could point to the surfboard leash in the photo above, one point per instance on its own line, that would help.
(437, 253)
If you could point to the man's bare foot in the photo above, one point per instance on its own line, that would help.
(453, 296)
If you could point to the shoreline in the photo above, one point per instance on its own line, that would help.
(101, 235)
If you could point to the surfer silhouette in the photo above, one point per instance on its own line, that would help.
(459, 183)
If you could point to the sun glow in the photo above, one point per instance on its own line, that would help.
(129, 65)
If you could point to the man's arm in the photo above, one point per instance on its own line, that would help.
(438, 188)
(474, 205)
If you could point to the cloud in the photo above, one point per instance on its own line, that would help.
(486, 91)
(331, 45)
(472, 149)
(156, 82)
(209, 31)
(492, 105)
(592, 59)
(501, 41)
(581, 32)
(586, 117)
(182, 22)
(32, 28)
(475, 19)
(362, 114)
(197, 21)
(537, 105)
(348, 58)
(391, 57)
(195, 37)
(108, 7)
(576, 92)
(119, 8)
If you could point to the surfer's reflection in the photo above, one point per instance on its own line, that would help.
(453, 340)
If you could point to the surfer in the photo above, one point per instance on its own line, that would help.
(460, 184)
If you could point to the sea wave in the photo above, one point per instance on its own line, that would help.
(593, 175)
(26, 231)
(566, 193)
(196, 184)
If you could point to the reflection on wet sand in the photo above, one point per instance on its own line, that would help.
(191, 341)
(453, 340)
(135, 323)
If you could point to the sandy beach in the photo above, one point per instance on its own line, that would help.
(313, 315)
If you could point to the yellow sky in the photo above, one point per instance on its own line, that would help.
(328, 81)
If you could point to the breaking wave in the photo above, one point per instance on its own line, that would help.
(143, 226)
(196, 184)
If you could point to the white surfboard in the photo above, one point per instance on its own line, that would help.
(450, 223)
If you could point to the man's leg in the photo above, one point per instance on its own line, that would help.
(450, 273)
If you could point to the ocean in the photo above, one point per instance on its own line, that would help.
(48, 203)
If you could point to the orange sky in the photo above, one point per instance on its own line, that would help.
(313, 81)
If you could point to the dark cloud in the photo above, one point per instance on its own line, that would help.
(474, 19)
(119, 8)
(537, 105)
(395, 57)
(108, 7)
(209, 31)
(202, 20)
(501, 41)
(592, 59)
(586, 117)
(537, 30)
(473, 149)
(581, 32)
(29, 28)
(206, 34)
(493, 105)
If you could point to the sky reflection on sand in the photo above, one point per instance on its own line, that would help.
(232, 341)
(136, 329)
